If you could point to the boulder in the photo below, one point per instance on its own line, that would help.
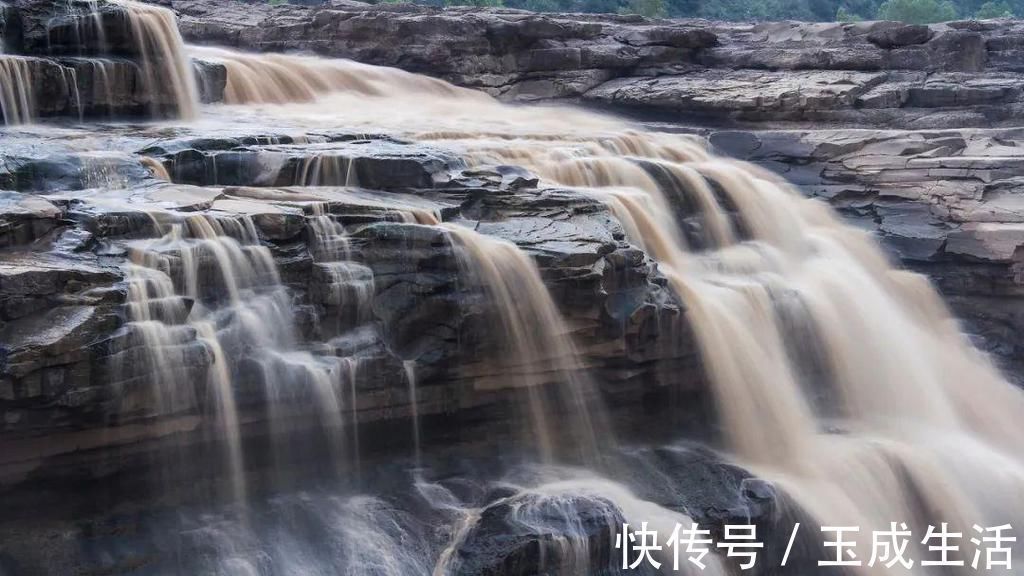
(899, 35)
(25, 218)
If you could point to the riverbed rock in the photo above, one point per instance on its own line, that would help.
(533, 533)
(379, 164)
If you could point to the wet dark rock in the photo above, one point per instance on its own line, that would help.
(529, 533)
(24, 218)
(136, 212)
(211, 78)
(49, 337)
(42, 275)
(574, 520)
(52, 311)
(415, 284)
(705, 72)
(731, 94)
(701, 484)
(899, 35)
(376, 164)
(274, 222)
(70, 171)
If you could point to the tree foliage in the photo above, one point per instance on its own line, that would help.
(994, 10)
(649, 8)
(844, 15)
(917, 11)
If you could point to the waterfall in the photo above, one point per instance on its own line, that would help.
(156, 167)
(285, 78)
(242, 312)
(351, 366)
(330, 243)
(155, 312)
(89, 34)
(165, 65)
(16, 99)
(410, 375)
(103, 74)
(538, 348)
(326, 170)
(219, 381)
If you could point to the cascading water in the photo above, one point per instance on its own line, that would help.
(16, 99)
(241, 311)
(410, 376)
(325, 170)
(164, 70)
(538, 348)
(156, 167)
(284, 78)
(165, 65)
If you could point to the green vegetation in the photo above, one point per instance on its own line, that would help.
(994, 10)
(844, 15)
(649, 8)
(917, 11)
(912, 11)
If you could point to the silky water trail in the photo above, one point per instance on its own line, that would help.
(900, 419)
(239, 309)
